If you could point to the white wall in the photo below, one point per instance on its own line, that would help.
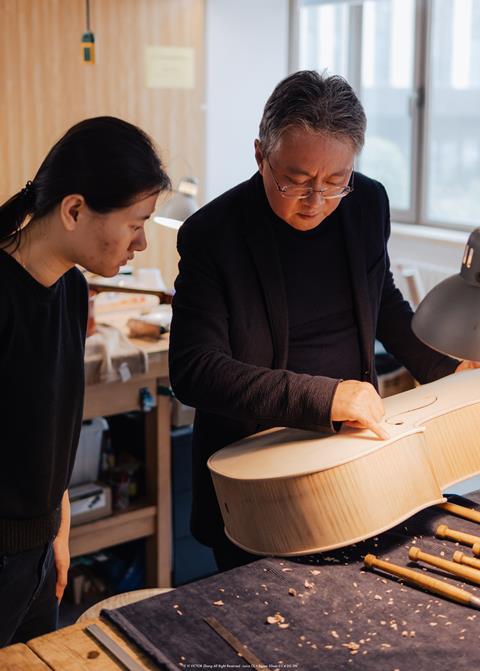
(246, 56)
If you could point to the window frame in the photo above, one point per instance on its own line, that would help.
(420, 103)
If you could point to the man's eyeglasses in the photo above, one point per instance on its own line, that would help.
(327, 193)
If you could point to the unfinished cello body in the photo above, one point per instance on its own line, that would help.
(293, 492)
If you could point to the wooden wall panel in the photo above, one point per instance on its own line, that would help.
(46, 87)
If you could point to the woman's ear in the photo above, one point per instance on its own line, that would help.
(71, 208)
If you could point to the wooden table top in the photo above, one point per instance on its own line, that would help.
(71, 648)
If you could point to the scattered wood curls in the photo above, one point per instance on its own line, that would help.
(278, 619)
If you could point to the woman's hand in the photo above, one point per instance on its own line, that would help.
(61, 551)
(61, 554)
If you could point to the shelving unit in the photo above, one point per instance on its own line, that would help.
(152, 517)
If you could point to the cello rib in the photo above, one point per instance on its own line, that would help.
(292, 492)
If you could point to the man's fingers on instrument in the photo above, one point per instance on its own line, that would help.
(368, 424)
(377, 412)
(369, 421)
(379, 430)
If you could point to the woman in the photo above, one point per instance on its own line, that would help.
(87, 205)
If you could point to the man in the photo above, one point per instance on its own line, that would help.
(284, 285)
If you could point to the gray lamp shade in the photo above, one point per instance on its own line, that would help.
(448, 318)
(179, 206)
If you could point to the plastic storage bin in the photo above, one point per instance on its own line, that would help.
(87, 461)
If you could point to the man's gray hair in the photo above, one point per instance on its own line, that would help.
(315, 102)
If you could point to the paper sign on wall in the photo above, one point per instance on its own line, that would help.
(169, 67)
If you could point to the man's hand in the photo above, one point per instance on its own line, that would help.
(359, 405)
(467, 365)
(61, 555)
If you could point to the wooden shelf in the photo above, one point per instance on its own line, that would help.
(136, 522)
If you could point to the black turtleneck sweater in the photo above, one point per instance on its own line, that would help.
(42, 335)
(323, 333)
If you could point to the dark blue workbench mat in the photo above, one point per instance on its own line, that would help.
(342, 616)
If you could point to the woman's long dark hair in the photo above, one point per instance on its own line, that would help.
(108, 161)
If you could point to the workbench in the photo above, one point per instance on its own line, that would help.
(339, 615)
(72, 649)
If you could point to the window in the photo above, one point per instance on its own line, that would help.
(415, 64)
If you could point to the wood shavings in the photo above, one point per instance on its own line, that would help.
(351, 646)
(218, 603)
(283, 625)
(275, 619)
(308, 584)
(334, 634)
(377, 597)
(287, 569)
(433, 624)
(315, 572)
(328, 647)
(292, 591)
(179, 612)
(385, 645)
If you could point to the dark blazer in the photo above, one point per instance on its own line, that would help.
(229, 336)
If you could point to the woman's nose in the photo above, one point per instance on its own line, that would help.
(140, 242)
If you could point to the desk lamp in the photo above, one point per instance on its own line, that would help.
(448, 318)
(179, 206)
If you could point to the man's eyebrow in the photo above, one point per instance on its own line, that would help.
(298, 171)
